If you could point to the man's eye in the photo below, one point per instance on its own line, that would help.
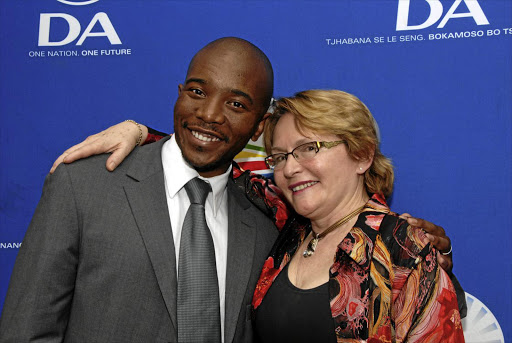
(197, 91)
(237, 104)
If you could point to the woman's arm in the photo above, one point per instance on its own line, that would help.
(119, 139)
(263, 193)
(425, 307)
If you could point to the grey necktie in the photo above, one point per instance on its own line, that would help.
(198, 287)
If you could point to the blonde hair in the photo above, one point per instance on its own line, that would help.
(342, 114)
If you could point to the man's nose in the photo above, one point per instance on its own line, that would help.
(211, 110)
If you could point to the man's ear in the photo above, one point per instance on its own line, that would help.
(261, 126)
(180, 88)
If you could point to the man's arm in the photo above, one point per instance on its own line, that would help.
(40, 294)
(119, 139)
(437, 236)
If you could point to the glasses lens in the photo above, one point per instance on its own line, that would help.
(305, 151)
(279, 160)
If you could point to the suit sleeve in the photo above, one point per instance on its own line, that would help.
(40, 293)
(154, 136)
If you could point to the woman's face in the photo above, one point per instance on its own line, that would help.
(320, 187)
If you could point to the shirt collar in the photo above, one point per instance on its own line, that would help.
(178, 172)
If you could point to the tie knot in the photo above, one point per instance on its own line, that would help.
(197, 190)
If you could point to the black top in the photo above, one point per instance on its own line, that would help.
(291, 314)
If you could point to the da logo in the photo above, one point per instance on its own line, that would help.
(78, 2)
(436, 12)
(480, 325)
(74, 28)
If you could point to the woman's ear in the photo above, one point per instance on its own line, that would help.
(364, 164)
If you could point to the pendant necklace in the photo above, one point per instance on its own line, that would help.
(318, 236)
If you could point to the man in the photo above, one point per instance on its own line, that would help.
(99, 260)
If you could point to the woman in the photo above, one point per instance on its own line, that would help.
(347, 268)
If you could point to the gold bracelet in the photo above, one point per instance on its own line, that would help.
(139, 140)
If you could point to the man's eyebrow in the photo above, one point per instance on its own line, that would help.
(242, 93)
(201, 81)
(234, 91)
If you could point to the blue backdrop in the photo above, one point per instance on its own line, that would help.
(437, 76)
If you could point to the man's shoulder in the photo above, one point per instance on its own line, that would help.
(253, 214)
(145, 159)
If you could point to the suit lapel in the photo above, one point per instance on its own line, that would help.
(241, 245)
(145, 192)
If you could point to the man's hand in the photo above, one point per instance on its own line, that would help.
(437, 236)
(119, 139)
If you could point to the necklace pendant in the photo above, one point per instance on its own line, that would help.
(311, 248)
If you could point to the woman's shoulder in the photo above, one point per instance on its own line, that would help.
(404, 242)
(395, 239)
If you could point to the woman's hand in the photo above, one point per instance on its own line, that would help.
(119, 139)
(439, 239)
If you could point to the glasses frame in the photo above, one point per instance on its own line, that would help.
(317, 145)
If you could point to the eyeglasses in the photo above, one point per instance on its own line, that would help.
(303, 152)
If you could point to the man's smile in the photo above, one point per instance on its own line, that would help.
(204, 137)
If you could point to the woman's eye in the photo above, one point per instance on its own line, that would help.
(279, 158)
(308, 147)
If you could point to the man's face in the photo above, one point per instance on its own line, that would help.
(219, 109)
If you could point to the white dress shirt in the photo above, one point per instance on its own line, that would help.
(177, 173)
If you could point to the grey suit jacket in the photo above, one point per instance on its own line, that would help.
(97, 263)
